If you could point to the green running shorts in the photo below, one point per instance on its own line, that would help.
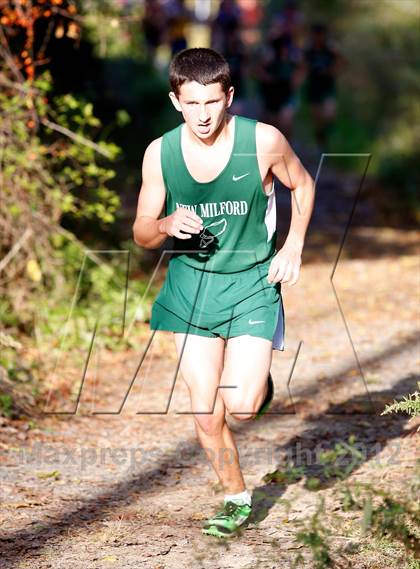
(195, 301)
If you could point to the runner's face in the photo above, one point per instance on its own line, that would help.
(203, 106)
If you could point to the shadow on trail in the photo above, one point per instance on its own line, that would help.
(30, 542)
(364, 402)
(371, 436)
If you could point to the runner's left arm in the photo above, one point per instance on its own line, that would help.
(287, 167)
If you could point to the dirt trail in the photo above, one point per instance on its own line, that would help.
(131, 490)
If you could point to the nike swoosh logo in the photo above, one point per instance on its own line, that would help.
(255, 321)
(236, 178)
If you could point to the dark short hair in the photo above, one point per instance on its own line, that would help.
(200, 64)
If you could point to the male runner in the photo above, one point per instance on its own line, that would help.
(213, 176)
(280, 74)
(323, 64)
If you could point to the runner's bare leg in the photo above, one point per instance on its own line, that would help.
(247, 365)
(201, 369)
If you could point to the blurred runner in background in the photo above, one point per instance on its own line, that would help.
(323, 62)
(227, 39)
(252, 14)
(280, 74)
(179, 17)
(154, 23)
(236, 57)
(227, 19)
(289, 20)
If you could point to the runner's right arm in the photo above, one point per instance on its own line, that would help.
(149, 230)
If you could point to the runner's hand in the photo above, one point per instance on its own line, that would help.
(181, 223)
(285, 266)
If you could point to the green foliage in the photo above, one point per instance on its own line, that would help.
(55, 163)
(382, 48)
(50, 169)
(378, 87)
(334, 460)
(382, 516)
(98, 294)
(313, 483)
(315, 536)
(109, 30)
(348, 503)
(284, 476)
(6, 405)
(385, 516)
(79, 180)
(410, 404)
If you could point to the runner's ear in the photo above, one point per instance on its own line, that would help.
(229, 96)
(175, 101)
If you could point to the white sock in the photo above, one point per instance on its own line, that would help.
(241, 498)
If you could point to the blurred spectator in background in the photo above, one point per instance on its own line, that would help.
(226, 38)
(179, 17)
(227, 20)
(236, 57)
(280, 74)
(323, 62)
(154, 23)
(289, 20)
(252, 14)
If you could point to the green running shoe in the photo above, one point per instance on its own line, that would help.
(268, 399)
(226, 522)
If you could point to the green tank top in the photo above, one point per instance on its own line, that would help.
(239, 219)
